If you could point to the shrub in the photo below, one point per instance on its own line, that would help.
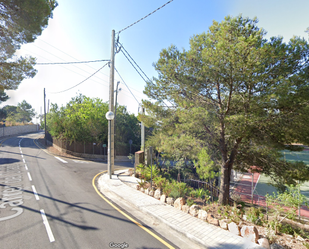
(160, 182)
(190, 202)
(254, 215)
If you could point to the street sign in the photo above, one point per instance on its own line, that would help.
(104, 145)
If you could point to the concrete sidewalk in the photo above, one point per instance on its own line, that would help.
(199, 231)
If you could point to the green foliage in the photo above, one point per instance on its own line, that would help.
(205, 167)
(239, 95)
(286, 204)
(126, 128)
(83, 119)
(179, 188)
(200, 193)
(22, 113)
(20, 22)
(190, 202)
(255, 215)
(3, 96)
(160, 182)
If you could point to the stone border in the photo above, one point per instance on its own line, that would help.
(247, 232)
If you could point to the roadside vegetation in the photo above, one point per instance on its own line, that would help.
(237, 96)
(83, 120)
(233, 100)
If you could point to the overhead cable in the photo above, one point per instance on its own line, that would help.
(145, 16)
(133, 61)
(81, 81)
(126, 85)
(74, 62)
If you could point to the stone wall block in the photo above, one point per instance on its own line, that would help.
(163, 198)
(157, 194)
(202, 214)
(179, 203)
(194, 210)
(185, 208)
(233, 228)
(250, 232)
(170, 200)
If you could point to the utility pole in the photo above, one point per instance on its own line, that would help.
(45, 117)
(142, 110)
(111, 109)
(116, 99)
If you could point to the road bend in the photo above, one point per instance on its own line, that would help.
(49, 202)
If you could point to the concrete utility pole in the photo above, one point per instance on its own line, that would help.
(45, 117)
(116, 99)
(142, 110)
(111, 109)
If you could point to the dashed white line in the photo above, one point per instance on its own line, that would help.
(26, 167)
(22, 155)
(24, 160)
(61, 159)
(35, 193)
(48, 229)
(29, 176)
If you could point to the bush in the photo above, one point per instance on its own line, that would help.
(190, 202)
(160, 182)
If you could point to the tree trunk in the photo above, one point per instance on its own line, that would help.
(226, 170)
(225, 184)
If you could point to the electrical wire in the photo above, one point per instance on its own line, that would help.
(80, 69)
(121, 45)
(126, 85)
(67, 54)
(81, 81)
(145, 17)
(74, 62)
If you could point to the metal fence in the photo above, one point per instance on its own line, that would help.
(91, 148)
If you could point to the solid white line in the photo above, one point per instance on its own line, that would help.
(35, 193)
(26, 167)
(29, 176)
(61, 159)
(46, 224)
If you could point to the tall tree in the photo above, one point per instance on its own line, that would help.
(21, 21)
(3, 98)
(82, 119)
(25, 112)
(243, 96)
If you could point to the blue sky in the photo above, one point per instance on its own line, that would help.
(81, 31)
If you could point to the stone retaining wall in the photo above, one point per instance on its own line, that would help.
(16, 130)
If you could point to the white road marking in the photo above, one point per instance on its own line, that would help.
(24, 160)
(22, 155)
(26, 167)
(46, 224)
(61, 159)
(29, 176)
(35, 193)
(247, 177)
(78, 161)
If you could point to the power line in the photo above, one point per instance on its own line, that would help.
(126, 85)
(74, 62)
(145, 16)
(81, 81)
(133, 61)
(81, 69)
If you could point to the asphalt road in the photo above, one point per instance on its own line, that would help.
(51, 203)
